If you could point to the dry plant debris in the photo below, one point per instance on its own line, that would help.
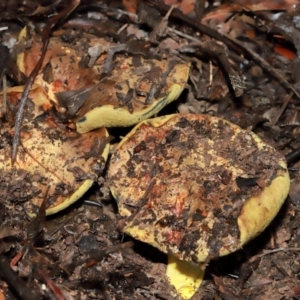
(82, 62)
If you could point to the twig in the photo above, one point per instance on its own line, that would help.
(92, 203)
(161, 29)
(55, 289)
(217, 51)
(277, 250)
(122, 28)
(97, 256)
(210, 73)
(283, 107)
(15, 282)
(45, 40)
(179, 33)
(176, 13)
(4, 98)
(293, 156)
(133, 17)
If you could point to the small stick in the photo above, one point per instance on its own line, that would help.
(199, 9)
(278, 250)
(15, 282)
(161, 29)
(55, 289)
(4, 98)
(97, 256)
(293, 156)
(210, 73)
(265, 65)
(45, 40)
(284, 105)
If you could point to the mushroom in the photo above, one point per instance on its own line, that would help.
(52, 161)
(115, 90)
(90, 95)
(196, 187)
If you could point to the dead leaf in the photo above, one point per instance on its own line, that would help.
(131, 5)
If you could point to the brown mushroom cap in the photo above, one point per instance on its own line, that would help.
(196, 186)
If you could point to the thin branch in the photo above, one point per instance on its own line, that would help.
(96, 256)
(283, 107)
(284, 249)
(4, 98)
(45, 40)
(15, 282)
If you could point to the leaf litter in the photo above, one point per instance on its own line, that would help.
(243, 68)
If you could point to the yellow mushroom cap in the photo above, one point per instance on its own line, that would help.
(93, 96)
(50, 157)
(196, 186)
(190, 184)
(106, 106)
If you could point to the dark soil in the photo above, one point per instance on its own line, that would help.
(81, 252)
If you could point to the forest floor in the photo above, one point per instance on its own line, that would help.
(244, 67)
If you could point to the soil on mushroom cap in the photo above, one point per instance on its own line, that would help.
(189, 179)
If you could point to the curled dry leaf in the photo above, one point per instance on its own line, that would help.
(186, 6)
(224, 11)
(188, 185)
(117, 90)
(49, 156)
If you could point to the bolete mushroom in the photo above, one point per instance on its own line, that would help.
(110, 90)
(196, 187)
(52, 161)
(94, 92)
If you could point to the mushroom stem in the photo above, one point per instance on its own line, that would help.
(185, 276)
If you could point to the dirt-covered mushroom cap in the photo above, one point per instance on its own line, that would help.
(196, 186)
(109, 89)
(53, 162)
